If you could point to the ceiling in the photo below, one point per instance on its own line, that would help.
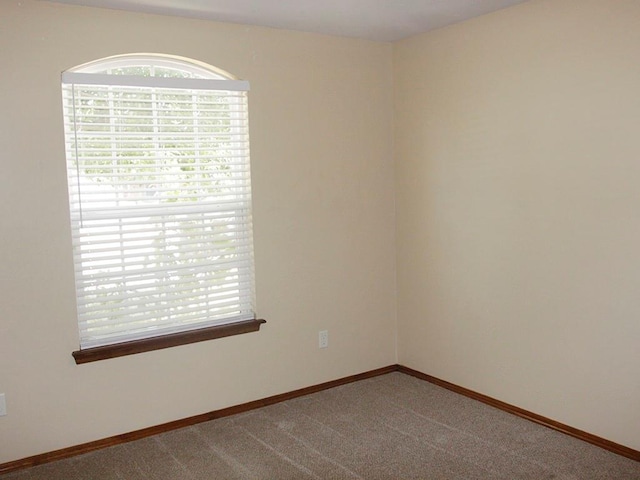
(382, 20)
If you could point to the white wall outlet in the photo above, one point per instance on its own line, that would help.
(323, 338)
(3, 405)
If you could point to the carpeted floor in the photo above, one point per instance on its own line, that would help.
(389, 427)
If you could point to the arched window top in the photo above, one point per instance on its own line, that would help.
(158, 69)
(153, 65)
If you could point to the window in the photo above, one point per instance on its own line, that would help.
(160, 199)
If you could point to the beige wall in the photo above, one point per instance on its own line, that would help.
(320, 119)
(518, 217)
(518, 209)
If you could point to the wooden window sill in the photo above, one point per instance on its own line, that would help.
(165, 341)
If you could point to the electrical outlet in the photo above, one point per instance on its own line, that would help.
(323, 338)
(3, 405)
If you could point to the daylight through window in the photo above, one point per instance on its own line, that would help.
(160, 197)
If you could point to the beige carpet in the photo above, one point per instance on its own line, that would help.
(389, 427)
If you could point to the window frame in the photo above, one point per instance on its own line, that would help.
(199, 76)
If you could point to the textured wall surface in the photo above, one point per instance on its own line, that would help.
(518, 209)
(514, 218)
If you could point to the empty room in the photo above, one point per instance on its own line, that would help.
(345, 239)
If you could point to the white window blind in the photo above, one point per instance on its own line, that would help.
(160, 199)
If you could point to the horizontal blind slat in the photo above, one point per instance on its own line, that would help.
(125, 298)
(103, 228)
(137, 211)
(185, 248)
(144, 277)
(131, 241)
(133, 275)
(179, 306)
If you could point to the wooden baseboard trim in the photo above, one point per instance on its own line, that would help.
(534, 417)
(185, 422)
(225, 412)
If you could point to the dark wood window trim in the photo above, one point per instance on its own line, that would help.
(165, 341)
